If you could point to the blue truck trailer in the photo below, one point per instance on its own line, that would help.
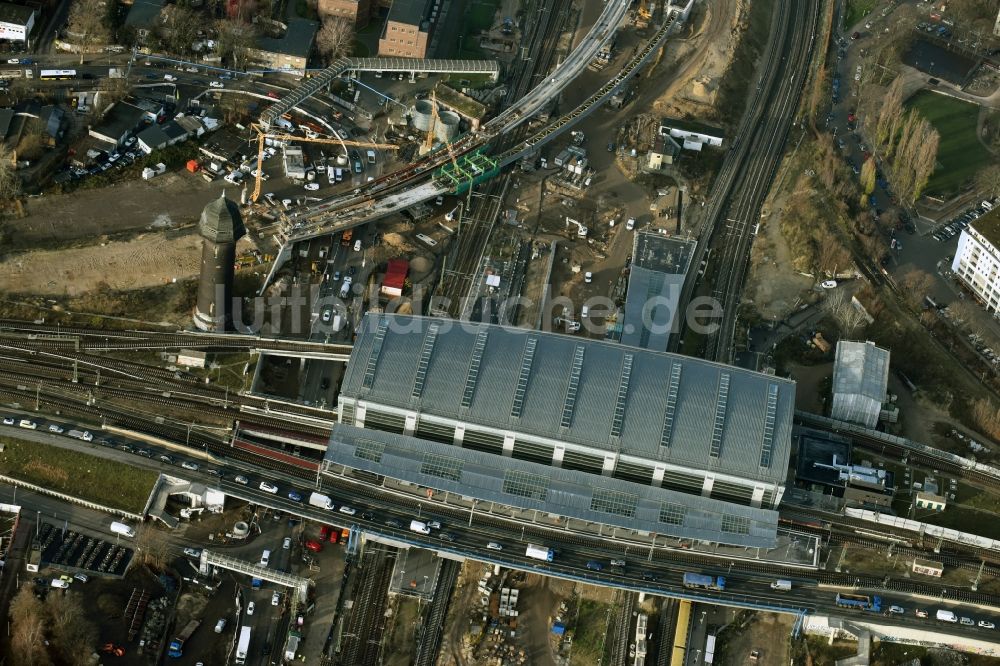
(860, 602)
(702, 582)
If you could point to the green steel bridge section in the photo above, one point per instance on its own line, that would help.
(468, 171)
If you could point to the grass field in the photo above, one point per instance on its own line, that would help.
(960, 154)
(857, 10)
(88, 477)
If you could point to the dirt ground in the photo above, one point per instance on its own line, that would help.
(402, 631)
(148, 260)
(704, 57)
(808, 397)
(539, 604)
(163, 202)
(768, 633)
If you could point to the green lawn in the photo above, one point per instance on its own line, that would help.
(480, 16)
(960, 154)
(99, 480)
(857, 10)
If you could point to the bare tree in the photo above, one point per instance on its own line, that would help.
(27, 638)
(151, 548)
(987, 417)
(88, 24)
(10, 182)
(234, 41)
(889, 113)
(335, 37)
(72, 634)
(915, 285)
(924, 160)
(988, 180)
(831, 255)
(181, 29)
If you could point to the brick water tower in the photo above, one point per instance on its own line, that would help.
(220, 227)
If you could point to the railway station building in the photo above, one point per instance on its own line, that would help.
(579, 428)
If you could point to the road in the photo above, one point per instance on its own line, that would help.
(384, 513)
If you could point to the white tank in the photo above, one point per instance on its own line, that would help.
(447, 126)
(423, 115)
(342, 159)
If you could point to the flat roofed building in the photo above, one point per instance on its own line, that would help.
(977, 259)
(693, 135)
(656, 277)
(406, 32)
(16, 22)
(860, 379)
(611, 416)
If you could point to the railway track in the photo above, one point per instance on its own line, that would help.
(733, 228)
(666, 624)
(468, 248)
(361, 643)
(433, 625)
(624, 603)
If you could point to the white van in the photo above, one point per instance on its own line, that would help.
(371, 156)
(265, 558)
(220, 625)
(345, 287)
(423, 238)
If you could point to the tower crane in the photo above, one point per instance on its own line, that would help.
(262, 134)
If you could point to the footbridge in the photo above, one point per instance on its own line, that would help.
(459, 174)
(323, 78)
(297, 583)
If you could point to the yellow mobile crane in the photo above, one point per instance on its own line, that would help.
(262, 135)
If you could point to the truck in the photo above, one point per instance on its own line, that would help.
(539, 553)
(80, 434)
(292, 646)
(123, 529)
(702, 582)
(176, 648)
(946, 616)
(321, 501)
(860, 602)
(243, 645)
(781, 585)
(419, 527)
(345, 238)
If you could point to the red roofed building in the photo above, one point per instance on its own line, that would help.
(395, 277)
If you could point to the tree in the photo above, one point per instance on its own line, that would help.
(831, 255)
(88, 24)
(924, 160)
(10, 183)
(28, 620)
(335, 37)
(868, 177)
(180, 30)
(234, 39)
(152, 548)
(915, 285)
(889, 113)
(72, 634)
(988, 180)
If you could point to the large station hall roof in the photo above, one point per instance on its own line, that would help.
(620, 399)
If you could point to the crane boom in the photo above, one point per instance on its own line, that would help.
(262, 135)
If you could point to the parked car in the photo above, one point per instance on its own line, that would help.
(286, 544)
(216, 84)
(314, 546)
(268, 487)
(312, 187)
(192, 552)
(250, 608)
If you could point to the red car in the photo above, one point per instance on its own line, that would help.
(314, 546)
(334, 534)
(851, 117)
(272, 94)
(324, 532)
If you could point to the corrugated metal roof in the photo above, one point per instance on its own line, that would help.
(563, 492)
(659, 266)
(749, 422)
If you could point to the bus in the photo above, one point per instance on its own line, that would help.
(57, 74)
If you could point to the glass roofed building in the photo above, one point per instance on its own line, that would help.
(585, 429)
